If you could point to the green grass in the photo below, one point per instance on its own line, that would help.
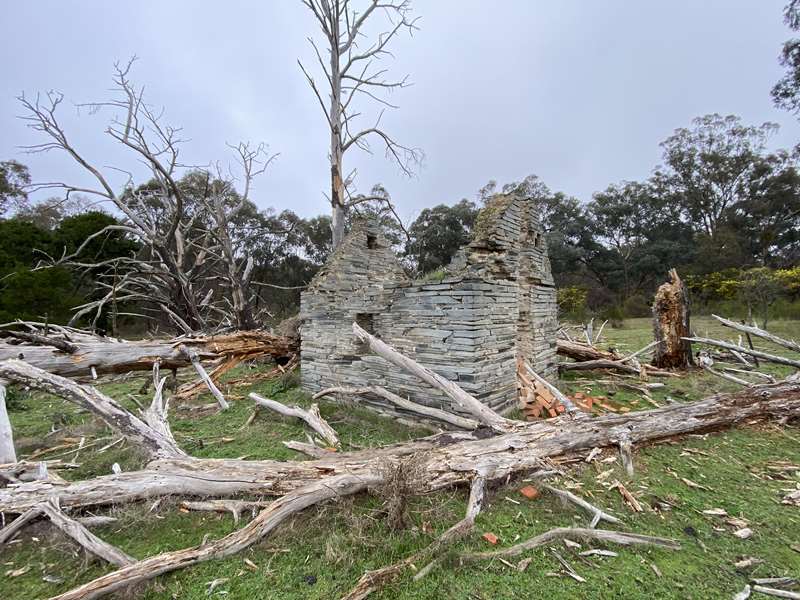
(322, 552)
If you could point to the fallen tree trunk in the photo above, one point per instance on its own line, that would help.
(155, 439)
(758, 332)
(781, 360)
(110, 356)
(589, 358)
(311, 416)
(456, 463)
(255, 530)
(581, 351)
(445, 459)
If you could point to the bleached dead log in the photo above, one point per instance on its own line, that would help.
(256, 530)
(308, 449)
(153, 441)
(758, 332)
(445, 463)
(7, 452)
(560, 533)
(468, 403)
(193, 357)
(781, 360)
(96, 520)
(235, 507)
(427, 411)
(776, 592)
(9, 531)
(708, 365)
(110, 356)
(61, 344)
(73, 528)
(374, 580)
(446, 459)
(85, 538)
(311, 416)
(597, 514)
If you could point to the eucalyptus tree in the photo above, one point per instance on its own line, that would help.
(187, 268)
(350, 63)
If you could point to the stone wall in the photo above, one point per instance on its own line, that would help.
(496, 303)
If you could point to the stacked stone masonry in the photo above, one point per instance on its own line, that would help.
(496, 302)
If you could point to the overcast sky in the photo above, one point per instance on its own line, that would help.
(579, 93)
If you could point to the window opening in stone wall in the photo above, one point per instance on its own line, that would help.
(372, 241)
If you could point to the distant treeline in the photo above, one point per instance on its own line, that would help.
(720, 208)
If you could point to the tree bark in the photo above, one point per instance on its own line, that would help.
(580, 351)
(757, 331)
(109, 356)
(257, 529)
(468, 403)
(311, 416)
(671, 325)
(7, 452)
(446, 459)
(154, 441)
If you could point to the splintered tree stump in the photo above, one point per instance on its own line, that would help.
(671, 325)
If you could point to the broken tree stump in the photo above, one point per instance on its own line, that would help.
(671, 325)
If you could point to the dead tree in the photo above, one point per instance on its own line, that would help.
(502, 448)
(7, 453)
(671, 325)
(185, 240)
(350, 73)
(445, 460)
(92, 356)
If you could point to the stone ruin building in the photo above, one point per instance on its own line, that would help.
(496, 302)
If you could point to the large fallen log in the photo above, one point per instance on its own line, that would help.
(781, 360)
(95, 355)
(151, 433)
(440, 466)
(588, 357)
(267, 520)
(758, 332)
(581, 351)
(445, 459)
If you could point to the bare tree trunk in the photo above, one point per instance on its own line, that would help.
(442, 466)
(446, 459)
(350, 72)
(7, 453)
(158, 442)
(671, 325)
(109, 356)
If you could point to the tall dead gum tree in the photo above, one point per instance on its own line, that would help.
(188, 268)
(351, 72)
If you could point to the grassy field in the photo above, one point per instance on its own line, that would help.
(323, 551)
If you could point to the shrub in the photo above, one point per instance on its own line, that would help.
(637, 306)
(572, 303)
